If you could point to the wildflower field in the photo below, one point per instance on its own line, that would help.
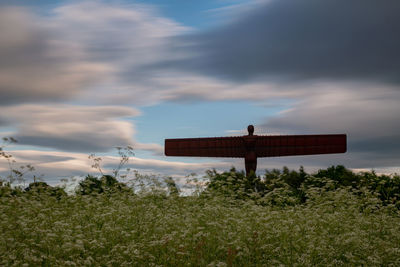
(332, 226)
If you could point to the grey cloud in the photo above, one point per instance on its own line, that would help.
(100, 53)
(368, 119)
(41, 158)
(123, 36)
(52, 165)
(116, 33)
(293, 40)
(81, 141)
(35, 66)
(4, 122)
(155, 149)
(78, 49)
(72, 128)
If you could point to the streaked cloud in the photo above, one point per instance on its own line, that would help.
(56, 164)
(71, 128)
(368, 118)
(35, 66)
(79, 49)
(295, 40)
(337, 62)
(156, 149)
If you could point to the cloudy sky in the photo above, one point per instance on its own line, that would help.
(82, 77)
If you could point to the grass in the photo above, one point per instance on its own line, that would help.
(331, 229)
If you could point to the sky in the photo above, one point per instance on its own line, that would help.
(83, 77)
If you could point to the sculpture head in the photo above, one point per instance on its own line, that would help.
(250, 129)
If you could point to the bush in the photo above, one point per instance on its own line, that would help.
(289, 187)
(42, 188)
(106, 184)
(234, 184)
(7, 191)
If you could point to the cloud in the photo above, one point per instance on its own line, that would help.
(71, 128)
(295, 40)
(369, 120)
(78, 49)
(56, 165)
(131, 34)
(337, 62)
(104, 54)
(156, 149)
(75, 128)
(187, 87)
(127, 37)
(35, 66)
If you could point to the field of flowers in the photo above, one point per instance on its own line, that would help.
(332, 228)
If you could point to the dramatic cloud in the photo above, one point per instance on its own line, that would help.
(127, 37)
(101, 53)
(336, 60)
(35, 66)
(79, 49)
(291, 40)
(71, 128)
(369, 119)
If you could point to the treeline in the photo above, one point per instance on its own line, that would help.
(276, 187)
(290, 187)
(106, 184)
(91, 185)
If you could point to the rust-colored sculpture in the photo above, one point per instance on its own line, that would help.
(250, 147)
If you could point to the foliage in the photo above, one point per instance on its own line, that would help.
(42, 188)
(106, 184)
(35, 189)
(329, 229)
(7, 191)
(288, 187)
(333, 217)
(234, 183)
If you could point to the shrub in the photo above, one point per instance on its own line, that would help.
(340, 174)
(42, 188)
(234, 184)
(289, 187)
(106, 184)
(7, 191)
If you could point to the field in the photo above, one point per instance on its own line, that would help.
(331, 228)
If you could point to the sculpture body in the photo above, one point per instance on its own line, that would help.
(250, 147)
(250, 158)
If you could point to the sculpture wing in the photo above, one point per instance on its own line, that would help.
(292, 145)
(231, 147)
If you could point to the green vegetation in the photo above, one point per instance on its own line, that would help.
(331, 218)
(285, 217)
(107, 184)
(282, 188)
